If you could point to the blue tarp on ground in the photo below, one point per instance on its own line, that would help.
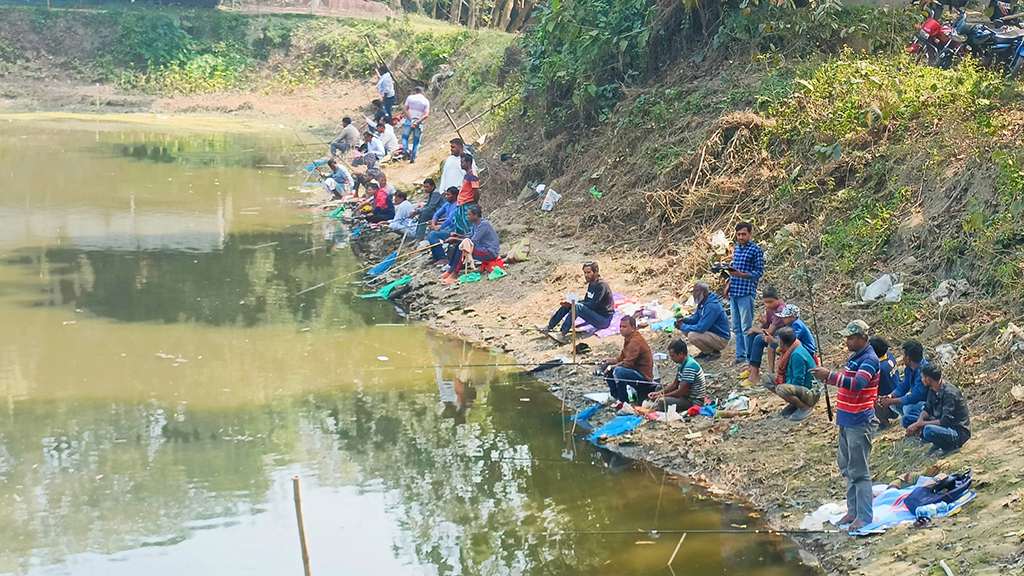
(619, 425)
(383, 266)
(585, 413)
(889, 510)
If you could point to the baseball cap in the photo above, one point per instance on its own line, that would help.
(789, 311)
(855, 328)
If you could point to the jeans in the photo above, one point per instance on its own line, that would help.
(854, 448)
(941, 436)
(416, 132)
(389, 104)
(435, 236)
(755, 349)
(622, 377)
(588, 315)
(339, 146)
(742, 308)
(910, 413)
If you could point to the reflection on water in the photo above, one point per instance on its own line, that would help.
(162, 380)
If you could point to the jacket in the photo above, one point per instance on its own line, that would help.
(709, 317)
(636, 354)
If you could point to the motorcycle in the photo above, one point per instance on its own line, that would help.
(1003, 48)
(937, 44)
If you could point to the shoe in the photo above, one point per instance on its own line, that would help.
(743, 375)
(739, 361)
(451, 280)
(787, 411)
(497, 273)
(714, 356)
(560, 337)
(542, 329)
(800, 415)
(747, 384)
(446, 275)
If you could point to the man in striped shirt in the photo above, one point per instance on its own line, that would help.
(688, 388)
(857, 391)
(417, 108)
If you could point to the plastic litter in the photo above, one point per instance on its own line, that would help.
(384, 265)
(595, 192)
(550, 199)
(814, 520)
(385, 291)
(383, 358)
(471, 277)
(497, 273)
(719, 243)
(617, 426)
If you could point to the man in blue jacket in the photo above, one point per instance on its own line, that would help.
(908, 398)
(708, 328)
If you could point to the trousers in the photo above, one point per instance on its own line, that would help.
(416, 132)
(854, 448)
(589, 316)
(742, 308)
(622, 377)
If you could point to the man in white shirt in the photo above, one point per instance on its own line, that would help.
(382, 181)
(403, 222)
(452, 173)
(386, 135)
(417, 109)
(374, 145)
(386, 87)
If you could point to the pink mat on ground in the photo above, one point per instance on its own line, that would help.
(613, 327)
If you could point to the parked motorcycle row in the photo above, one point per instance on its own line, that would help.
(998, 44)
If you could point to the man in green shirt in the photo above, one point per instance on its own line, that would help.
(688, 388)
(794, 382)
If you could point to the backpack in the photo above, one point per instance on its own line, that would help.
(947, 490)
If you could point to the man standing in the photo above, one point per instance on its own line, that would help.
(348, 139)
(469, 195)
(708, 328)
(417, 109)
(909, 396)
(452, 173)
(426, 212)
(634, 366)
(688, 388)
(596, 309)
(744, 274)
(386, 87)
(944, 421)
(857, 391)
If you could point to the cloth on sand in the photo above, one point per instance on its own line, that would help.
(385, 291)
(617, 426)
(889, 508)
(613, 326)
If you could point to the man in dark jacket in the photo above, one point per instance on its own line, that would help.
(944, 421)
(596, 309)
(909, 396)
(708, 328)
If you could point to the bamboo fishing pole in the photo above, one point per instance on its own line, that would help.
(302, 526)
(322, 284)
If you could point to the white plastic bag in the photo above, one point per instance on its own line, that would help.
(719, 243)
(549, 200)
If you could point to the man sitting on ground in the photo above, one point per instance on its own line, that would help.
(888, 379)
(442, 226)
(426, 212)
(372, 145)
(483, 245)
(688, 388)
(387, 137)
(708, 328)
(403, 222)
(791, 317)
(757, 334)
(793, 380)
(909, 396)
(348, 139)
(596, 309)
(634, 366)
(944, 421)
(380, 115)
(383, 208)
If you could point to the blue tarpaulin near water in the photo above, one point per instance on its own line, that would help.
(619, 425)
(585, 413)
(309, 167)
(384, 265)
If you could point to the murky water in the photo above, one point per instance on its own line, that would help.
(162, 382)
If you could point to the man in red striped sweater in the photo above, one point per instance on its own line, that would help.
(855, 414)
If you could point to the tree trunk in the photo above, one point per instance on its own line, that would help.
(471, 21)
(524, 13)
(419, 7)
(504, 9)
(495, 13)
(455, 15)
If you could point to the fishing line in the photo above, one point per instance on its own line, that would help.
(322, 284)
(639, 532)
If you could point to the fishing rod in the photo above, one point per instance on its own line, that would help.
(506, 364)
(322, 284)
(657, 532)
(818, 343)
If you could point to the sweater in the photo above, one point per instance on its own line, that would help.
(858, 389)
(798, 371)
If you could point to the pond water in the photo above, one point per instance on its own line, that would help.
(162, 380)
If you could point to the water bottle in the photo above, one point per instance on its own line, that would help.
(932, 510)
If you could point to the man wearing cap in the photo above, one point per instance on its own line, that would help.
(790, 317)
(741, 289)
(857, 391)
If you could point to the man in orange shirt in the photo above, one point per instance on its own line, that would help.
(634, 366)
(469, 195)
